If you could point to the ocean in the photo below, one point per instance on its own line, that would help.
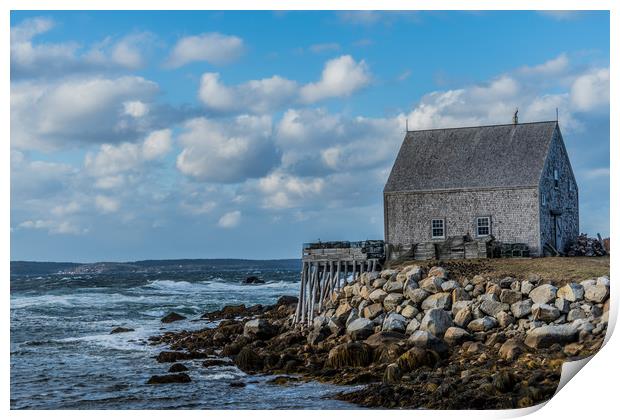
(64, 357)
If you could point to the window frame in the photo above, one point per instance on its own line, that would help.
(443, 228)
(556, 179)
(488, 226)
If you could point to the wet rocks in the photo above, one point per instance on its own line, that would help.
(176, 378)
(177, 367)
(260, 329)
(252, 280)
(172, 317)
(119, 330)
(352, 354)
(248, 360)
(360, 329)
(511, 349)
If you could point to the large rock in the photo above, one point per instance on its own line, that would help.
(172, 317)
(436, 321)
(544, 294)
(409, 287)
(409, 311)
(458, 305)
(571, 292)
(456, 335)
(377, 296)
(482, 324)
(392, 300)
(412, 326)
(521, 309)
(175, 378)
(373, 311)
(460, 294)
(463, 317)
(426, 340)
(510, 296)
(504, 319)
(437, 301)
(350, 355)
(511, 349)
(343, 311)
(576, 313)
(596, 293)
(449, 285)
(432, 284)
(439, 272)
(544, 312)
(260, 329)
(394, 323)
(548, 335)
(388, 273)
(413, 273)
(353, 315)
(360, 329)
(417, 296)
(492, 308)
(393, 286)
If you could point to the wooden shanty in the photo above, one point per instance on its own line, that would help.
(326, 267)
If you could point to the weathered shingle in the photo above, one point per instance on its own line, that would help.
(473, 157)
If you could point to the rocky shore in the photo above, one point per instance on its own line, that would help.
(418, 336)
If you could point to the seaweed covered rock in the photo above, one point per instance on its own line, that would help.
(248, 360)
(353, 354)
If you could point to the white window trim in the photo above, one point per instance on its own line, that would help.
(477, 226)
(443, 227)
(556, 178)
(543, 200)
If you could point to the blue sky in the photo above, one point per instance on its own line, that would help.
(243, 134)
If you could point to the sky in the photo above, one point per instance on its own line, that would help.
(148, 135)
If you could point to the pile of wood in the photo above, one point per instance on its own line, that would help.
(586, 247)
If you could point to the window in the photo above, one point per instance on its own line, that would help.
(556, 178)
(438, 228)
(570, 185)
(544, 199)
(483, 226)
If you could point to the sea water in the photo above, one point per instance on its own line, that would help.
(64, 357)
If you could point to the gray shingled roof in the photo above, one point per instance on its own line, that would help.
(472, 157)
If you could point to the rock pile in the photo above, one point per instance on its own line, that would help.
(586, 247)
(412, 301)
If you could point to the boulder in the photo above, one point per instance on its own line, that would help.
(504, 319)
(352, 317)
(493, 289)
(394, 323)
(463, 317)
(412, 326)
(449, 285)
(119, 330)
(260, 329)
(335, 326)
(372, 311)
(441, 300)
(571, 292)
(526, 287)
(252, 280)
(172, 317)
(353, 354)
(343, 311)
(377, 296)
(478, 279)
(409, 287)
(576, 313)
(388, 273)
(378, 283)
(383, 338)
(596, 293)
(511, 349)
(248, 360)
(603, 281)
(439, 272)
(482, 324)
(392, 300)
(392, 374)
(510, 296)
(417, 296)
(415, 358)
(175, 378)
(460, 294)
(409, 311)
(365, 292)
(548, 335)
(177, 367)
(458, 305)
(432, 284)
(426, 340)
(360, 329)
(506, 282)
(544, 312)
(436, 321)
(562, 304)
(492, 308)
(393, 286)
(456, 335)
(521, 309)
(413, 273)
(544, 294)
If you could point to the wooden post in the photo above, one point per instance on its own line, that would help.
(354, 271)
(301, 294)
(337, 283)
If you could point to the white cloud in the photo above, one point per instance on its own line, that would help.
(227, 151)
(230, 219)
(106, 204)
(341, 77)
(550, 67)
(53, 227)
(157, 144)
(45, 116)
(595, 173)
(214, 48)
(258, 96)
(135, 109)
(590, 91)
(281, 191)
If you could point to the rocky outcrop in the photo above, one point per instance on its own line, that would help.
(172, 317)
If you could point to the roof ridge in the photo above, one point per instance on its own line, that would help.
(480, 126)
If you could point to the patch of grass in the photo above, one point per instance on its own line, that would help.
(557, 270)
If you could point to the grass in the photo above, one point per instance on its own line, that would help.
(556, 270)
